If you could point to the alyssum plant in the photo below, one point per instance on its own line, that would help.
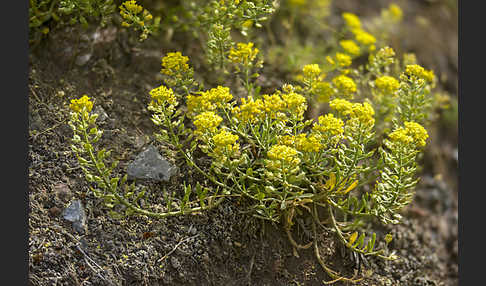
(263, 150)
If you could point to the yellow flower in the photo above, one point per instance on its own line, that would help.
(341, 105)
(322, 90)
(243, 54)
(128, 7)
(274, 106)
(84, 103)
(312, 143)
(174, 63)
(296, 103)
(208, 100)
(395, 12)
(207, 121)
(249, 109)
(218, 95)
(163, 94)
(329, 123)
(413, 133)
(352, 21)
(417, 132)
(350, 47)
(419, 72)
(400, 135)
(387, 84)
(345, 85)
(311, 71)
(284, 154)
(343, 60)
(225, 142)
(363, 113)
(363, 37)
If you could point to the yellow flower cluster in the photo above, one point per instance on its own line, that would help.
(350, 47)
(207, 122)
(311, 71)
(129, 11)
(364, 38)
(384, 57)
(362, 112)
(128, 7)
(243, 54)
(163, 95)
(419, 72)
(351, 20)
(174, 64)
(387, 84)
(394, 12)
(412, 133)
(84, 103)
(417, 132)
(343, 60)
(322, 90)
(208, 100)
(274, 106)
(345, 85)
(249, 109)
(329, 123)
(341, 105)
(296, 103)
(284, 154)
(302, 142)
(225, 142)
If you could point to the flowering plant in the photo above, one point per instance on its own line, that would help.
(262, 148)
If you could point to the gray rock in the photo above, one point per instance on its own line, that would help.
(102, 116)
(75, 213)
(149, 164)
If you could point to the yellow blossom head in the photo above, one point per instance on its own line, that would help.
(322, 90)
(352, 21)
(207, 122)
(82, 104)
(128, 7)
(394, 12)
(283, 153)
(419, 72)
(417, 132)
(311, 143)
(163, 95)
(364, 38)
(345, 85)
(350, 47)
(225, 143)
(341, 105)
(387, 84)
(243, 53)
(249, 110)
(174, 64)
(329, 124)
(311, 71)
(296, 103)
(343, 60)
(412, 133)
(363, 112)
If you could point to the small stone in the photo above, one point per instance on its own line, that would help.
(175, 262)
(102, 116)
(75, 214)
(149, 164)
